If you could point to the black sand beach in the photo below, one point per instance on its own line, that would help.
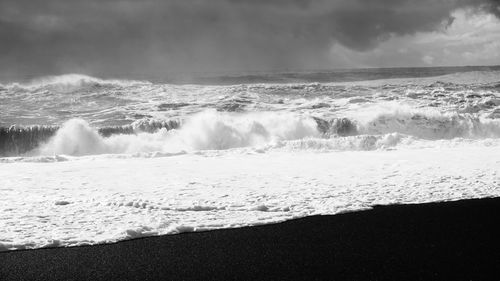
(437, 241)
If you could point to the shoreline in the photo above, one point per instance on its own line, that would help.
(455, 240)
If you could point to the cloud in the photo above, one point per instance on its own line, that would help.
(154, 37)
(472, 39)
(491, 6)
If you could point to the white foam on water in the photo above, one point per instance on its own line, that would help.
(100, 199)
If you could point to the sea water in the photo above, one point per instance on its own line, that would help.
(85, 160)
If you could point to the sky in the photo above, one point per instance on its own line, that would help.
(158, 37)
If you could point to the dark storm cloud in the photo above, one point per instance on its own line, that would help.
(492, 6)
(117, 37)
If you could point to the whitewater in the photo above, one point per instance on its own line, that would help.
(85, 160)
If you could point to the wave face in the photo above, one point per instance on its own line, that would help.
(16, 141)
(81, 115)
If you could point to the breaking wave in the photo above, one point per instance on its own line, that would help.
(443, 126)
(212, 130)
(205, 131)
(20, 140)
(430, 124)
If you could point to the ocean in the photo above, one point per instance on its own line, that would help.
(87, 160)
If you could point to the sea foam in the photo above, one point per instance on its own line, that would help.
(205, 131)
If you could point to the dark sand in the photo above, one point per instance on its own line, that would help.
(445, 241)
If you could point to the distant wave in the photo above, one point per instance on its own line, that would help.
(69, 81)
(211, 130)
(339, 75)
(454, 75)
(471, 77)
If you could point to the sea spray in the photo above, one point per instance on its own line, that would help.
(209, 130)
